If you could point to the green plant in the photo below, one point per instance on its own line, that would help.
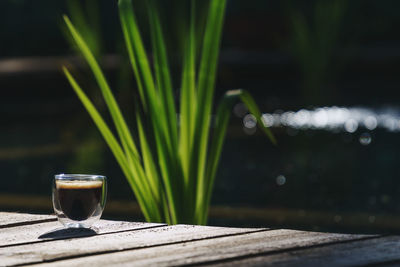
(313, 44)
(171, 163)
(86, 18)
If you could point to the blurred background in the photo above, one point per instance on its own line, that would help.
(325, 74)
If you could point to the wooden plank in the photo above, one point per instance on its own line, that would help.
(10, 219)
(41, 232)
(211, 250)
(383, 251)
(78, 247)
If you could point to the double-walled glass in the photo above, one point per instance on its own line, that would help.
(79, 199)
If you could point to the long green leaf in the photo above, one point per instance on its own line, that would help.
(206, 83)
(172, 180)
(221, 124)
(248, 100)
(112, 143)
(149, 165)
(165, 91)
(137, 53)
(87, 23)
(119, 121)
(142, 71)
(188, 100)
(188, 113)
(162, 73)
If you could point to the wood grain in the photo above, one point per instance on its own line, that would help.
(100, 244)
(40, 232)
(382, 251)
(10, 219)
(211, 250)
(29, 239)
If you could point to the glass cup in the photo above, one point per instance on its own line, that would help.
(79, 199)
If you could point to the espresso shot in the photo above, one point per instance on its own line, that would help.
(79, 199)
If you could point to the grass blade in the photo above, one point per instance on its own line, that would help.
(119, 121)
(167, 159)
(248, 100)
(112, 143)
(206, 83)
(221, 125)
(188, 106)
(149, 165)
(132, 156)
(165, 92)
(173, 172)
(162, 73)
(188, 97)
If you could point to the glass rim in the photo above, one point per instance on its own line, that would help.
(68, 176)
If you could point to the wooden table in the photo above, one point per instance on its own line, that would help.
(27, 239)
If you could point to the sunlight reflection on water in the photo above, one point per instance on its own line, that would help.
(332, 119)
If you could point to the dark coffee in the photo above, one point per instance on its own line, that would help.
(79, 199)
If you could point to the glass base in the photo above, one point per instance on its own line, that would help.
(75, 225)
(68, 223)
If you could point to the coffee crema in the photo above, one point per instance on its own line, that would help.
(79, 199)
